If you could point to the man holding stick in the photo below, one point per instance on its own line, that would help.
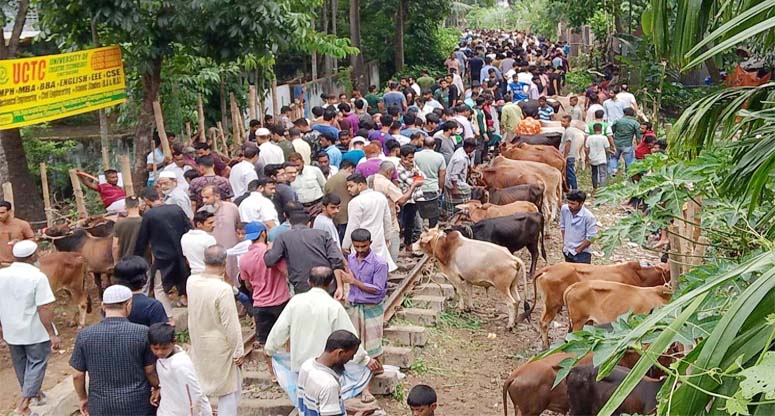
(111, 194)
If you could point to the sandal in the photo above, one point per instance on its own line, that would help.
(367, 397)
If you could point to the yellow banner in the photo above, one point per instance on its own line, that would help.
(43, 88)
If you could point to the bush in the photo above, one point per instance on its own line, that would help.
(578, 81)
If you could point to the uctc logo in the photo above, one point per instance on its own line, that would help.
(3, 75)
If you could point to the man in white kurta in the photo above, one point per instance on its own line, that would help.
(307, 321)
(370, 210)
(216, 337)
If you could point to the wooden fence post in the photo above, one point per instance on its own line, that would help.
(46, 195)
(252, 102)
(159, 117)
(126, 174)
(80, 203)
(8, 192)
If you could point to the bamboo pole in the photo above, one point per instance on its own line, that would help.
(8, 192)
(252, 102)
(188, 133)
(201, 112)
(275, 101)
(675, 259)
(236, 120)
(105, 158)
(46, 195)
(213, 136)
(222, 137)
(80, 203)
(159, 117)
(126, 174)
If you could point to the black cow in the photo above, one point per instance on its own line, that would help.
(550, 138)
(530, 192)
(587, 396)
(514, 232)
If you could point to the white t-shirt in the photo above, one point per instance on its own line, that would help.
(257, 207)
(241, 175)
(194, 244)
(180, 386)
(157, 154)
(591, 111)
(626, 98)
(270, 154)
(23, 287)
(319, 392)
(596, 145)
(468, 129)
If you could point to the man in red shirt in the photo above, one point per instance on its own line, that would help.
(111, 194)
(647, 142)
(269, 284)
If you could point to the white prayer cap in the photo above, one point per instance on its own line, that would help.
(116, 294)
(24, 249)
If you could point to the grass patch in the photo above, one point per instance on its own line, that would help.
(459, 320)
(399, 394)
(182, 337)
(419, 367)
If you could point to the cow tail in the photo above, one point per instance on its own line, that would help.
(84, 289)
(524, 280)
(535, 290)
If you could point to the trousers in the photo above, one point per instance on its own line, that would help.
(29, 363)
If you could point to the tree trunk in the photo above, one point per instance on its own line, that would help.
(327, 62)
(13, 168)
(399, 41)
(222, 94)
(334, 13)
(13, 160)
(151, 81)
(356, 60)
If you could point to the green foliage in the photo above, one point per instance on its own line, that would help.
(419, 367)
(416, 70)
(459, 320)
(50, 152)
(182, 337)
(579, 80)
(399, 394)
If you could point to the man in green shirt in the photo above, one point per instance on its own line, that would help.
(373, 99)
(425, 81)
(624, 130)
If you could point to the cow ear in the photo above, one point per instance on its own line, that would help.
(462, 207)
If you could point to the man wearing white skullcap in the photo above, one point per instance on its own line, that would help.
(26, 321)
(173, 195)
(117, 355)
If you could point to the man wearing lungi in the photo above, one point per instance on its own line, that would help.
(368, 288)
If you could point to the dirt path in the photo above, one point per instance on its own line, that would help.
(469, 355)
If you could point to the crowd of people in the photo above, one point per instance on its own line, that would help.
(299, 228)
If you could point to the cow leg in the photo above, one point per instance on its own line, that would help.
(533, 249)
(458, 284)
(550, 311)
(98, 282)
(469, 297)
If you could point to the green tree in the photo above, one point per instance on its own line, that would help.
(150, 30)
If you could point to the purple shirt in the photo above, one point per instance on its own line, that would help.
(371, 166)
(373, 272)
(380, 137)
(354, 123)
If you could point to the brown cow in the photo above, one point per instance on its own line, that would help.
(537, 153)
(553, 280)
(477, 211)
(503, 173)
(98, 251)
(532, 193)
(602, 301)
(529, 386)
(470, 262)
(67, 271)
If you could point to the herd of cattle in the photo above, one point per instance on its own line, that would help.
(514, 196)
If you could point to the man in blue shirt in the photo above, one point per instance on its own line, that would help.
(132, 272)
(328, 144)
(484, 73)
(578, 227)
(329, 118)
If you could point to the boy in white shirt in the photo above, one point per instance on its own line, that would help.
(179, 391)
(597, 149)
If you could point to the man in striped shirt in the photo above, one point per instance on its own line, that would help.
(545, 111)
